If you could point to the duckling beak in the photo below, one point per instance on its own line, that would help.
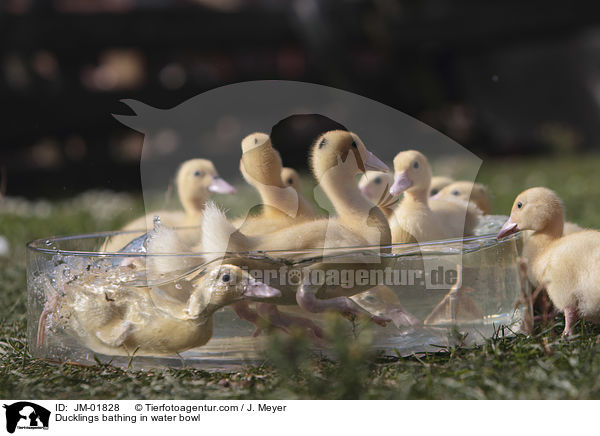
(220, 186)
(256, 289)
(401, 183)
(508, 228)
(373, 163)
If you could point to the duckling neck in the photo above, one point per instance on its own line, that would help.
(541, 239)
(193, 206)
(352, 208)
(416, 198)
(277, 200)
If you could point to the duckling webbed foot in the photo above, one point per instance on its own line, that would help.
(286, 322)
(308, 301)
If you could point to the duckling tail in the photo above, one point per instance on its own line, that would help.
(219, 235)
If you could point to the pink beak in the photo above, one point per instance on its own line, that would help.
(256, 289)
(373, 163)
(508, 228)
(401, 183)
(220, 186)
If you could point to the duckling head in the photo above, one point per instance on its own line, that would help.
(375, 185)
(196, 178)
(412, 173)
(225, 284)
(467, 191)
(438, 183)
(260, 162)
(538, 209)
(290, 177)
(345, 152)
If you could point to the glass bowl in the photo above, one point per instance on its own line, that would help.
(83, 302)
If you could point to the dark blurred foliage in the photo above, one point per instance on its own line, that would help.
(499, 77)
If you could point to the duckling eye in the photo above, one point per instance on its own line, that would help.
(455, 192)
(519, 205)
(353, 145)
(290, 181)
(416, 165)
(322, 143)
(433, 192)
(377, 180)
(199, 173)
(225, 278)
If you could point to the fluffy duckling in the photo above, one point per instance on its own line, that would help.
(555, 261)
(337, 157)
(416, 219)
(467, 191)
(375, 185)
(290, 177)
(438, 183)
(165, 319)
(196, 179)
(281, 205)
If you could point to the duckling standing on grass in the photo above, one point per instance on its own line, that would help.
(567, 266)
(416, 219)
(196, 179)
(164, 319)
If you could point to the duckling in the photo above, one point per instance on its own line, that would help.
(467, 191)
(438, 183)
(416, 219)
(337, 156)
(166, 319)
(195, 180)
(290, 177)
(375, 186)
(281, 205)
(555, 261)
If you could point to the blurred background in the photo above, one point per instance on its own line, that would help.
(501, 78)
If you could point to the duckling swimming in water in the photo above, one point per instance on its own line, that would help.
(196, 179)
(281, 204)
(337, 157)
(113, 317)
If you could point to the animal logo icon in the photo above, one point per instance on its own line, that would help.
(24, 414)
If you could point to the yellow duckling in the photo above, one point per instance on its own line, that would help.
(467, 191)
(163, 319)
(290, 177)
(438, 183)
(375, 185)
(281, 206)
(196, 179)
(416, 219)
(565, 265)
(337, 156)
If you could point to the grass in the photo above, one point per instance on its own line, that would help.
(540, 366)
